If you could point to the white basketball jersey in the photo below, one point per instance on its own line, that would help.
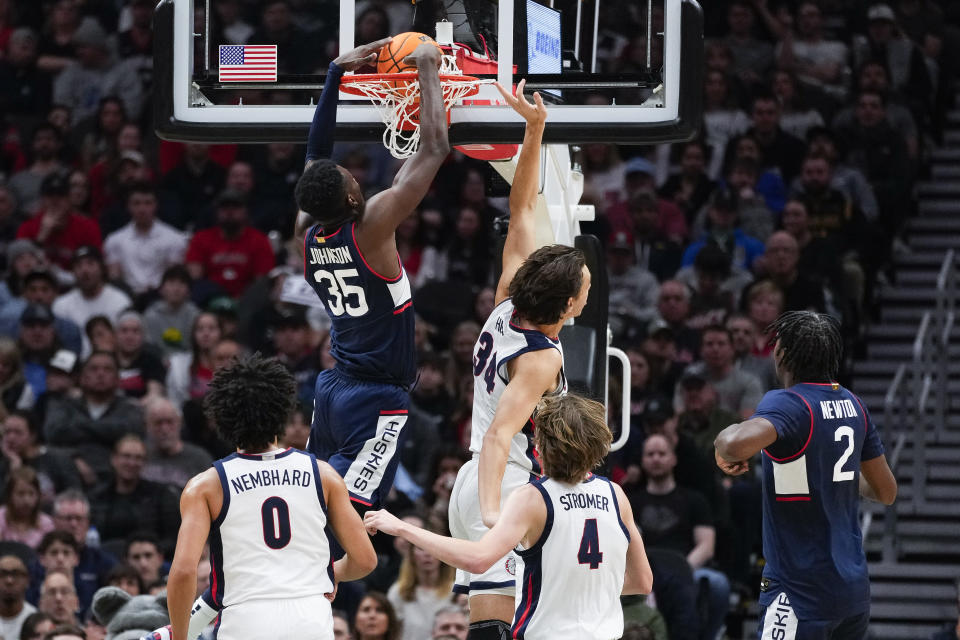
(500, 341)
(268, 541)
(573, 575)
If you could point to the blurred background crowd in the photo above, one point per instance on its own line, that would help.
(134, 268)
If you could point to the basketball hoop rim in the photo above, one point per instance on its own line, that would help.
(406, 76)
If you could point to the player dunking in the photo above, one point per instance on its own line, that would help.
(517, 360)
(821, 453)
(578, 542)
(351, 261)
(265, 510)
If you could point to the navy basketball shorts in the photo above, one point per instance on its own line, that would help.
(778, 621)
(356, 428)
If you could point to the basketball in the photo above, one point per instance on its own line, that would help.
(391, 56)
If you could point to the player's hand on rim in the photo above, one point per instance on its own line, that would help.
(425, 52)
(535, 113)
(363, 55)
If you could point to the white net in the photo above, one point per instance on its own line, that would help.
(398, 102)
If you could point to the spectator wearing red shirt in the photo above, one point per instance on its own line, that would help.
(232, 254)
(56, 228)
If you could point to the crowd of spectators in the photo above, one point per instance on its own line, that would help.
(133, 269)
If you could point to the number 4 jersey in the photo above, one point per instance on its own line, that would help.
(268, 541)
(573, 575)
(811, 498)
(501, 340)
(372, 316)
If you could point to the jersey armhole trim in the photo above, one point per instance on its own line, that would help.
(353, 234)
(616, 506)
(866, 424)
(225, 487)
(809, 434)
(316, 477)
(527, 349)
(547, 524)
(306, 240)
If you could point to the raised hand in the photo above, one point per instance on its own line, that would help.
(426, 53)
(363, 55)
(535, 113)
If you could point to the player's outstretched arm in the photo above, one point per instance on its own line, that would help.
(739, 442)
(195, 519)
(360, 558)
(524, 516)
(639, 576)
(386, 210)
(320, 137)
(534, 374)
(521, 234)
(877, 481)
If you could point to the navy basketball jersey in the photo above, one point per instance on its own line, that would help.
(811, 497)
(371, 337)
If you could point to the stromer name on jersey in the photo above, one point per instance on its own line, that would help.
(270, 478)
(585, 501)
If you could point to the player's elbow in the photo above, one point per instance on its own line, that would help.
(887, 494)
(638, 583)
(479, 563)
(366, 561)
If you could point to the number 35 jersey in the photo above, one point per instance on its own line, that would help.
(268, 541)
(501, 340)
(372, 317)
(811, 497)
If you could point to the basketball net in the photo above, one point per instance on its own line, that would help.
(397, 98)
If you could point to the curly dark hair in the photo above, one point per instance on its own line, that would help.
(250, 401)
(545, 282)
(321, 193)
(810, 343)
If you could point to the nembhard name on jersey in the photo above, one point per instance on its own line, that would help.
(270, 478)
(585, 501)
(330, 255)
(833, 409)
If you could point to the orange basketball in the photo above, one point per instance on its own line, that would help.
(390, 59)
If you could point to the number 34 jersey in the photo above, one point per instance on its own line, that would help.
(811, 496)
(501, 340)
(268, 541)
(573, 576)
(372, 332)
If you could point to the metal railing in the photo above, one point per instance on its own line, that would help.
(918, 398)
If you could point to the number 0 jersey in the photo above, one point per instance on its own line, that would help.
(573, 575)
(500, 341)
(268, 541)
(811, 496)
(372, 318)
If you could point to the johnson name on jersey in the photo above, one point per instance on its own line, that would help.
(500, 341)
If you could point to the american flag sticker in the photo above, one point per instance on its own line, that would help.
(248, 63)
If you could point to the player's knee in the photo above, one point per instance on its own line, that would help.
(489, 630)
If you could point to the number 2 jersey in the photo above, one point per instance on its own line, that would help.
(573, 575)
(268, 542)
(501, 340)
(372, 333)
(811, 496)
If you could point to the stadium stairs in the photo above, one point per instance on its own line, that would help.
(915, 563)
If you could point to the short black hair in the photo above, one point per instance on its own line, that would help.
(545, 282)
(250, 401)
(142, 536)
(811, 345)
(141, 186)
(63, 537)
(177, 272)
(321, 193)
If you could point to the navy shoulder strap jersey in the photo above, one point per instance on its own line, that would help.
(811, 498)
(372, 316)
